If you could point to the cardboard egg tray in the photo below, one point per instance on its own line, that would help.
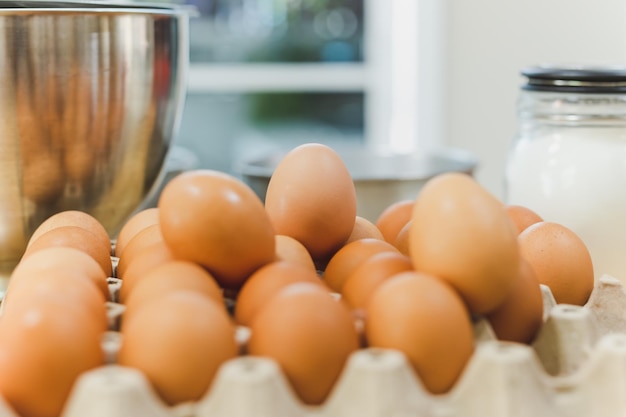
(576, 367)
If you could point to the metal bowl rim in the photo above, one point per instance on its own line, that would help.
(93, 7)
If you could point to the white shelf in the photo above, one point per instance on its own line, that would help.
(251, 78)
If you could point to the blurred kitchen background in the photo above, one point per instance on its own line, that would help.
(414, 75)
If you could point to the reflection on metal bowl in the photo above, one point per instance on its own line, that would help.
(380, 178)
(92, 94)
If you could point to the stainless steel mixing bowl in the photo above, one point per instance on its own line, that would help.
(91, 95)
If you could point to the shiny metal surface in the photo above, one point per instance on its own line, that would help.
(90, 100)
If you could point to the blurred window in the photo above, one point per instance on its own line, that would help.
(282, 72)
(268, 74)
(229, 31)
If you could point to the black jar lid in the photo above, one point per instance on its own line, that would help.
(579, 79)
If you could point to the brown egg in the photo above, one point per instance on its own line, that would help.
(44, 347)
(560, 260)
(364, 229)
(363, 281)
(73, 218)
(169, 277)
(144, 238)
(309, 334)
(424, 318)
(145, 259)
(59, 257)
(63, 284)
(393, 219)
(402, 239)
(178, 342)
(462, 234)
(522, 216)
(520, 316)
(265, 283)
(77, 238)
(348, 258)
(311, 197)
(216, 220)
(289, 249)
(134, 225)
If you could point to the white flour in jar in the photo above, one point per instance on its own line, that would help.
(576, 177)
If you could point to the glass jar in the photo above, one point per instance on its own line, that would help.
(568, 161)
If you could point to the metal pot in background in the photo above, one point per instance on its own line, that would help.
(92, 94)
(380, 177)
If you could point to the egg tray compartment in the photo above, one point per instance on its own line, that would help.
(576, 367)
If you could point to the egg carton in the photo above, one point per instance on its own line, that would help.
(576, 367)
